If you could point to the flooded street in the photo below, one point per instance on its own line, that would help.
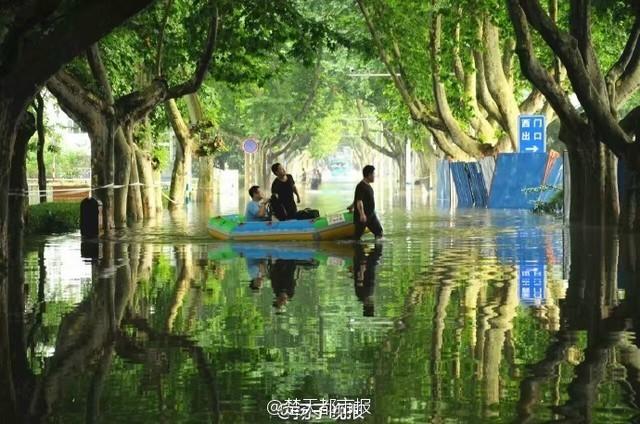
(457, 316)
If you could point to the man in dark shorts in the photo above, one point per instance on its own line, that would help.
(283, 188)
(364, 206)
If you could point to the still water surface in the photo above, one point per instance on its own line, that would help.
(463, 316)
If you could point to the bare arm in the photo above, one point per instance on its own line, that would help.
(263, 210)
(295, 190)
(360, 207)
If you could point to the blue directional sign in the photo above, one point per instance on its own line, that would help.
(531, 282)
(532, 133)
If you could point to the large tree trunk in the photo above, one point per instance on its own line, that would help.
(594, 187)
(630, 202)
(10, 113)
(401, 161)
(205, 163)
(157, 182)
(42, 172)
(498, 84)
(182, 161)
(102, 167)
(134, 210)
(17, 214)
(134, 197)
(122, 178)
(205, 181)
(145, 172)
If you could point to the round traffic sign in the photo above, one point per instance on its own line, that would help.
(250, 145)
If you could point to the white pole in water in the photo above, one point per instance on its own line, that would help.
(408, 163)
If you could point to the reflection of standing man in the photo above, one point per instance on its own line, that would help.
(365, 206)
(364, 276)
(283, 282)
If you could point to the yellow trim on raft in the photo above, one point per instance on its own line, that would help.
(336, 232)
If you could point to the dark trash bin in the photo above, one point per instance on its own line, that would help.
(90, 217)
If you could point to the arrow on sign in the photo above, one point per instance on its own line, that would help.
(532, 149)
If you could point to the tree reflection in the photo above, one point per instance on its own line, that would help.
(455, 333)
(107, 322)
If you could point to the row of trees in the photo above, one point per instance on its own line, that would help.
(124, 87)
(457, 76)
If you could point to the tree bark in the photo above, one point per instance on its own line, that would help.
(182, 161)
(157, 181)
(17, 215)
(145, 172)
(135, 211)
(122, 178)
(459, 137)
(10, 114)
(205, 163)
(594, 188)
(42, 172)
(498, 83)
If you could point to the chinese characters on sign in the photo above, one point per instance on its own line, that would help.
(532, 133)
(310, 409)
(531, 283)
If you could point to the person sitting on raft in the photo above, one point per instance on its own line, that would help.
(258, 207)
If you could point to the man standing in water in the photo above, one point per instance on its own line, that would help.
(365, 206)
(283, 188)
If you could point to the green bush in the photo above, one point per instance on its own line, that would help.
(52, 218)
(553, 207)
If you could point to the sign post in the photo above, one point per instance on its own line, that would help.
(532, 133)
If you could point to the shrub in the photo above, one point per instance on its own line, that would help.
(554, 206)
(53, 217)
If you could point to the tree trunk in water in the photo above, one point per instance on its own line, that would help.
(42, 172)
(157, 182)
(401, 161)
(134, 198)
(17, 214)
(102, 166)
(205, 181)
(182, 161)
(594, 187)
(265, 162)
(122, 178)
(145, 172)
(9, 116)
(630, 202)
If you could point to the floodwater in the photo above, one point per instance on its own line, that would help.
(457, 316)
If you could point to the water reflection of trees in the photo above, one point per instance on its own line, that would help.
(462, 344)
(490, 357)
(111, 320)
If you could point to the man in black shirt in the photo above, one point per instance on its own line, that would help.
(283, 188)
(364, 206)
